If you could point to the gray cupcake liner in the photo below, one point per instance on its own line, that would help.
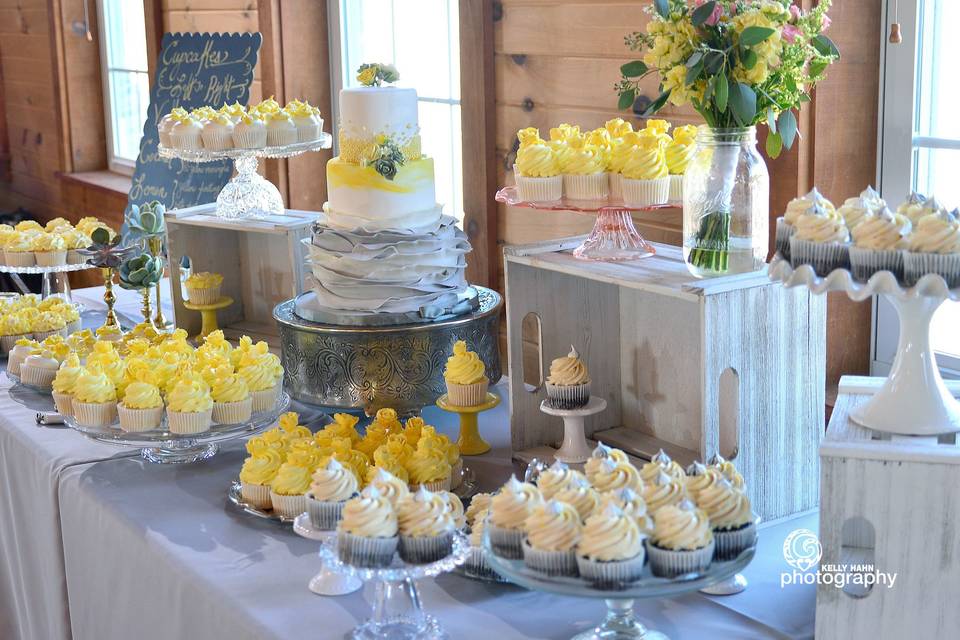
(866, 262)
(824, 257)
(568, 396)
(730, 543)
(917, 265)
(506, 543)
(611, 574)
(360, 551)
(324, 515)
(550, 563)
(477, 565)
(782, 238)
(426, 549)
(670, 563)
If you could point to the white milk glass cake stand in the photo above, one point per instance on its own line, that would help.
(574, 449)
(397, 611)
(327, 582)
(248, 194)
(619, 623)
(165, 447)
(55, 280)
(913, 399)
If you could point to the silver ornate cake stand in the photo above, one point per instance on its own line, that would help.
(396, 366)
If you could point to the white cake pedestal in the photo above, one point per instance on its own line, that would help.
(574, 448)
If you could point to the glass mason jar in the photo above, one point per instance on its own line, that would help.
(726, 204)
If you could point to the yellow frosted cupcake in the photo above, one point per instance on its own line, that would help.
(232, 403)
(94, 399)
(509, 510)
(288, 489)
(142, 407)
(64, 383)
(426, 527)
(581, 496)
(557, 478)
(584, 170)
(14, 327)
(553, 531)
(611, 552)
(678, 153)
(731, 518)
(262, 372)
(204, 287)
(257, 473)
(49, 250)
(466, 378)
(429, 468)
(646, 179)
(538, 172)
(662, 462)
(568, 385)
(189, 405)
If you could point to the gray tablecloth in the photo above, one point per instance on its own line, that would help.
(158, 552)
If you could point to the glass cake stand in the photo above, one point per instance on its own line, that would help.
(327, 582)
(163, 447)
(620, 623)
(248, 194)
(397, 612)
(613, 238)
(55, 280)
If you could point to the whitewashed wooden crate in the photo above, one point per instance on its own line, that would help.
(734, 365)
(262, 262)
(892, 503)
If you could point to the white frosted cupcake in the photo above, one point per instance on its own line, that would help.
(661, 463)
(330, 488)
(581, 496)
(611, 552)
(568, 384)
(786, 224)
(934, 247)
(557, 478)
(632, 505)
(820, 240)
(731, 517)
(306, 119)
(185, 133)
(913, 207)
(477, 564)
(426, 527)
(39, 369)
(538, 173)
(250, 132)
(878, 241)
(21, 347)
(552, 534)
(682, 541)
(509, 510)
(856, 210)
(165, 126)
(663, 491)
(281, 130)
(217, 133)
(701, 477)
(367, 535)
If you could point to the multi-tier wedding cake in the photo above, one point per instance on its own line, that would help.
(383, 251)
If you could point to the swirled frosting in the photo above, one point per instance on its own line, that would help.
(477, 525)
(663, 491)
(882, 230)
(854, 211)
(818, 224)
(616, 475)
(464, 366)
(369, 515)
(799, 206)
(581, 496)
(621, 150)
(94, 387)
(261, 467)
(600, 453)
(648, 161)
(478, 504)
(190, 394)
(423, 514)
(913, 208)
(726, 507)
(936, 233)
(609, 534)
(142, 395)
(556, 478)
(537, 160)
(632, 505)
(427, 466)
(510, 507)
(228, 386)
(455, 508)
(680, 150)
(681, 528)
(553, 526)
(68, 374)
(332, 482)
(582, 158)
(292, 479)
(699, 477)
(568, 370)
(728, 469)
(661, 462)
(390, 486)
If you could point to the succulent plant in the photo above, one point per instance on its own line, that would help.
(141, 271)
(146, 220)
(104, 252)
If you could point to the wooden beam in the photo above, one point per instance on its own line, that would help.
(271, 74)
(479, 126)
(61, 105)
(153, 21)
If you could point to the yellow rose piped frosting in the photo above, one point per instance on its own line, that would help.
(332, 482)
(292, 479)
(510, 507)
(558, 477)
(553, 526)
(228, 387)
(94, 387)
(528, 136)
(190, 394)
(261, 467)
(681, 528)
(680, 149)
(538, 161)
(882, 230)
(568, 370)
(726, 507)
(647, 161)
(369, 515)
(68, 374)
(464, 367)
(423, 514)
(142, 395)
(609, 534)
(618, 127)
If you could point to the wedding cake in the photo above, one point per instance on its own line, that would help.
(382, 251)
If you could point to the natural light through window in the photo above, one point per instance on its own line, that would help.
(126, 87)
(424, 45)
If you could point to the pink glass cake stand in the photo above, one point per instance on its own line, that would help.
(613, 239)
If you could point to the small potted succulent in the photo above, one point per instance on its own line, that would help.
(107, 254)
(141, 273)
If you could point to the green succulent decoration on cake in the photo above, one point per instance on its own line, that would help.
(376, 73)
(385, 156)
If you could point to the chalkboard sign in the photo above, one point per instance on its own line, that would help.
(194, 69)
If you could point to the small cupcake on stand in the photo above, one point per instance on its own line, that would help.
(568, 397)
(467, 395)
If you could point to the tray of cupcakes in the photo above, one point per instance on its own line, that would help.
(29, 247)
(288, 464)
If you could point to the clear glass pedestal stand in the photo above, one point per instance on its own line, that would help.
(620, 624)
(326, 582)
(55, 279)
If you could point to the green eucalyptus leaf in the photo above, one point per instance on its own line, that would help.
(693, 73)
(657, 104)
(713, 62)
(749, 59)
(626, 99)
(694, 58)
(817, 67)
(633, 69)
(663, 8)
(787, 127)
(771, 120)
(702, 13)
(722, 92)
(825, 46)
(753, 36)
(774, 144)
(743, 103)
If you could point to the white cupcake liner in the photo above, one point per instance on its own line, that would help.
(611, 574)
(94, 414)
(478, 566)
(20, 258)
(568, 396)
(730, 543)
(645, 193)
(433, 485)
(467, 395)
(139, 420)
(248, 138)
(7, 343)
(164, 137)
(426, 549)
(217, 140)
(824, 257)
(265, 399)
(782, 238)
(288, 506)
(616, 185)
(257, 495)
(591, 186)
(670, 563)
(232, 412)
(75, 257)
(207, 295)
(866, 262)
(676, 190)
(324, 515)
(50, 258)
(308, 132)
(188, 422)
(539, 189)
(360, 551)
(280, 137)
(187, 140)
(40, 336)
(550, 563)
(37, 376)
(63, 403)
(917, 265)
(507, 543)
(456, 474)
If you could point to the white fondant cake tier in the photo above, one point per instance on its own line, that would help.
(366, 112)
(415, 222)
(358, 191)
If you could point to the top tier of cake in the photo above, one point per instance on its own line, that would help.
(367, 191)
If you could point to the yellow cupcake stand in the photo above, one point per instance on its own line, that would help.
(208, 314)
(469, 440)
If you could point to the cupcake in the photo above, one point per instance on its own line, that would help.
(728, 469)
(94, 399)
(232, 403)
(367, 533)
(632, 505)
(185, 133)
(257, 474)
(165, 126)
(22, 347)
(614, 475)
(49, 250)
(786, 224)
(203, 287)
(878, 241)
(584, 170)
(64, 382)
(509, 510)
(478, 504)
(678, 154)
(538, 172)
(476, 564)
(454, 508)
(661, 462)
(581, 496)
(621, 150)
(39, 369)
(646, 178)
(855, 210)
(262, 373)
(48, 323)
(663, 491)
(189, 405)
(429, 468)
(390, 486)
(682, 541)
(18, 252)
(250, 132)
(217, 133)
(552, 533)
(280, 129)
(600, 453)
(610, 554)
(568, 385)
(913, 207)
(142, 407)
(558, 477)
(426, 527)
(820, 240)
(700, 477)
(306, 119)
(331, 486)
(733, 521)
(934, 247)
(466, 377)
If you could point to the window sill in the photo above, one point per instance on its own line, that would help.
(106, 181)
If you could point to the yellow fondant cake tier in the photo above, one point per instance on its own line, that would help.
(356, 190)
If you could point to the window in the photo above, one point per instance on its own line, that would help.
(920, 142)
(424, 45)
(126, 88)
